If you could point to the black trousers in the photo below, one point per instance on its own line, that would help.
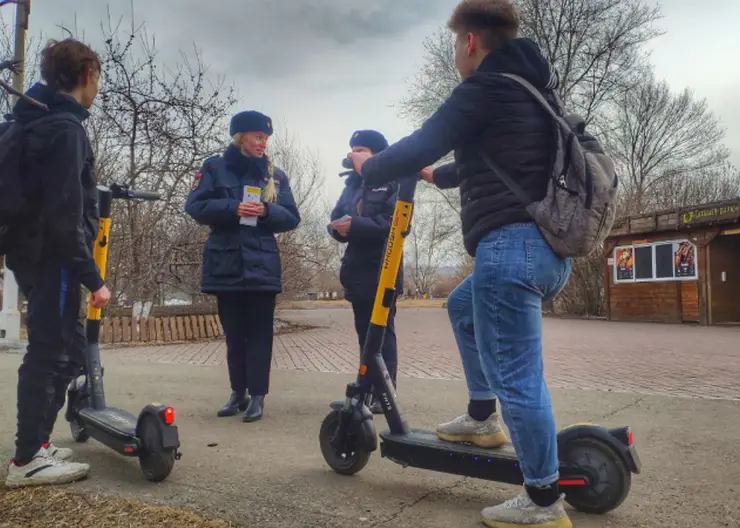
(248, 318)
(363, 310)
(55, 353)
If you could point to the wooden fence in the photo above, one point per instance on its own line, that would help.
(156, 330)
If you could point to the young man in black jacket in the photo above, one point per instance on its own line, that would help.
(54, 256)
(496, 312)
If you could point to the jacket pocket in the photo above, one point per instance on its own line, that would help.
(224, 262)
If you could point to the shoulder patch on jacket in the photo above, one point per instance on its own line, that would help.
(196, 180)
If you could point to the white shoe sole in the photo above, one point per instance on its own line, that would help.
(64, 478)
(486, 441)
(563, 522)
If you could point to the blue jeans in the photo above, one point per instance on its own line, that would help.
(496, 315)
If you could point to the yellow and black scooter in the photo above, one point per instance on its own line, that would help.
(596, 464)
(151, 436)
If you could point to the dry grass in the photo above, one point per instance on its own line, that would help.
(402, 303)
(422, 303)
(49, 507)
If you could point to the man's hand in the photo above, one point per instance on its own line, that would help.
(342, 226)
(359, 159)
(100, 298)
(427, 174)
(249, 209)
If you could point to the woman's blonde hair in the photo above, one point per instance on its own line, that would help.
(269, 194)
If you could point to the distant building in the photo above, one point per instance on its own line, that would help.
(675, 266)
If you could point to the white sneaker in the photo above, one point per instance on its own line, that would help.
(464, 429)
(43, 469)
(521, 512)
(60, 453)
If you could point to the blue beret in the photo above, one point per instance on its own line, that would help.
(371, 139)
(250, 121)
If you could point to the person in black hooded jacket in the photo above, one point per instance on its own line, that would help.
(362, 220)
(496, 313)
(53, 257)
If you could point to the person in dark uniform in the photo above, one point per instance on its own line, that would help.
(52, 258)
(241, 260)
(362, 219)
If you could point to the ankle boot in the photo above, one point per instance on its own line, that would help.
(238, 402)
(254, 411)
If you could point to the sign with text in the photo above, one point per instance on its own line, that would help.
(717, 213)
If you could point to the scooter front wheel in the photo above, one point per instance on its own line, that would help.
(345, 456)
(79, 433)
(613, 478)
(155, 460)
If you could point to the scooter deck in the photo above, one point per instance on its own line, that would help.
(113, 427)
(422, 449)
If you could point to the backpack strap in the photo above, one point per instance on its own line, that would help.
(506, 179)
(534, 92)
(498, 171)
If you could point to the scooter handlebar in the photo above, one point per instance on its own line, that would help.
(145, 195)
(123, 192)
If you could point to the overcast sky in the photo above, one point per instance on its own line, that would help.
(328, 67)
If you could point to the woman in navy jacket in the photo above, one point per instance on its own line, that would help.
(241, 262)
(362, 219)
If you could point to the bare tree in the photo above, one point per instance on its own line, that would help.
(306, 252)
(593, 44)
(31, 64)
(663, 141)
(697, 187)
(434, 81)
(584, 293)
(151, 128)
(431, 240)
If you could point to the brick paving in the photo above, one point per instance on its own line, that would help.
(674, 360)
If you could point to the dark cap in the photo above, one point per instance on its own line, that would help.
(250, 121)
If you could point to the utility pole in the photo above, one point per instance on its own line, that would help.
(10, 317)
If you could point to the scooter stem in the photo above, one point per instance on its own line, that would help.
(94, 315)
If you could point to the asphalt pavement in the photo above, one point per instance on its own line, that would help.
(271, 474)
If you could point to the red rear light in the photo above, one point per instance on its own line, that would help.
(629, 437)
(572, 482)
(169, 416)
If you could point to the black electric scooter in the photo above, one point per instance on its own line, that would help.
(596, 464)
(151, 436)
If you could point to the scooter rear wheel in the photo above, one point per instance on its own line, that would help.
(345, 461)
(613, 478)
(156, 461)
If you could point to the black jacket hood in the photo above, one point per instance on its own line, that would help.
(56, 101)
(522, 57)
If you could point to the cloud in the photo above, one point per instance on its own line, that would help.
(274, 38)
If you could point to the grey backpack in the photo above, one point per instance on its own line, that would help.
(579, 209)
